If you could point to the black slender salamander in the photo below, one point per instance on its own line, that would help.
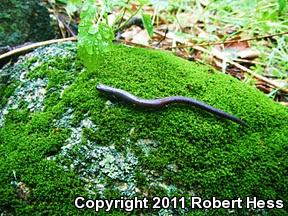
(162, 102)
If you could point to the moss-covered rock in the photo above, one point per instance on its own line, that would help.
(60, 138)
(24, 21)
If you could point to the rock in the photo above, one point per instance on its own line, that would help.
(24, 21)
(4, 77)
(61, 138)
(4, 49)
(2, 88)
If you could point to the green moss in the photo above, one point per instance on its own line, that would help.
(185, 148)
(6, 92)
(24, 21)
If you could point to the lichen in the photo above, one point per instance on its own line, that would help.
(82, 142)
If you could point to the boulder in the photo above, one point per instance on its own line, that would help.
(60, 138)
(24, 21)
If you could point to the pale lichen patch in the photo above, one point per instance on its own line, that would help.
(32, 92)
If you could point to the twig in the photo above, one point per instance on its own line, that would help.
(43, 43)
(62, 21)
(128, 20)
(60, 27)
(250, 62)
(134, 44)
(122, 17)
(163, 38)
(228, 41)
(35, 45)
(257, 76)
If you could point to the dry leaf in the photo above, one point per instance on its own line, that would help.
(248, 54)
(236, 50)
(141, 37)
(22, 191)
(131, 32)
(186, 20)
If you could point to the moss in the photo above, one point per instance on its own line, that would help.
(178, 150)
(24, 21)
(6, 92)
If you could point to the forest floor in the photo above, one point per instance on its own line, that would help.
(246, 39)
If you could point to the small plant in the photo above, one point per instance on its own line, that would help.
(96, 34)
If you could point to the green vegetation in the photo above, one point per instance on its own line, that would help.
(96, 34)
(60, 138)
(227, 20)
(185, 149)
(24, 21)
(196, 21)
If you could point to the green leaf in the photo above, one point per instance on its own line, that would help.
(160, 4)
(73, 5)
(148, 24)
(282, 5)
(111, 4)
(93, 29)
(95, 35)
(75, 2)
(143, 2)
(70, 8)
(61, 1)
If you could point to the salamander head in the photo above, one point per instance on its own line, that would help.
(104, 88)
(100, 87)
